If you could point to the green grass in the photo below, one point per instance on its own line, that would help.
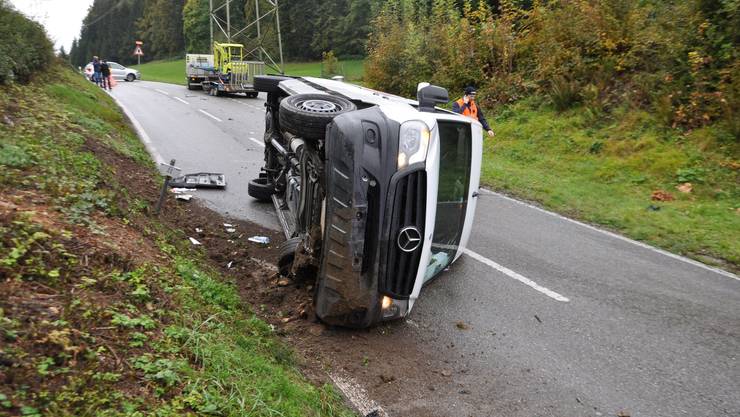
(604, 171)
(182, 343)
(173, 72)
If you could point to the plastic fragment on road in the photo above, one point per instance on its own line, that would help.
(182, 190)
(198, 230)
(229, 264)
(228, 225)
(199, 180)
(194, 241)
(184, 197)
(263, 240)
(230, 230)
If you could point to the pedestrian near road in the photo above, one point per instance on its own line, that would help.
(467, 107)
(105, 71)
(96, 70)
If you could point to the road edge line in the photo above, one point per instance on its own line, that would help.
(690, 261)
(210, 115)
(148, 144)
(357, 396)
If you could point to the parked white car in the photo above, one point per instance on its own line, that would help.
(118, 71)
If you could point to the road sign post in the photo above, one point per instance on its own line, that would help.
(138, 51)
(169, 171)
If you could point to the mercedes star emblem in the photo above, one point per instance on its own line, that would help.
(409, 239)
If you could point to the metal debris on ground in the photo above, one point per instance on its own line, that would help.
(200, 180)
(194, 241)
(262, 240)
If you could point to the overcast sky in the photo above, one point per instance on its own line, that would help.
(62, 18)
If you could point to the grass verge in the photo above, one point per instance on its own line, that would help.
(173, 72)
(606, 170)
(105, 309)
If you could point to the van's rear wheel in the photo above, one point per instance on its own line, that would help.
(306, 115)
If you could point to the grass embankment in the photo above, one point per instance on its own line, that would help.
(173, 72)
(605, 171)
(106, 310)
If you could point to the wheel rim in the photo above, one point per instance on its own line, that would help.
(319, 106)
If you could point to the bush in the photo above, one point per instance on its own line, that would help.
(24, 47)
(677, 57)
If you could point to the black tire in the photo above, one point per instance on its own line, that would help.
(260, 189)
(253, 95)
(190, 86)
(306, 115)
(268, 83)
(287, 252)
(130, 78)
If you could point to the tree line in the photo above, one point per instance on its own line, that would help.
(171, 28)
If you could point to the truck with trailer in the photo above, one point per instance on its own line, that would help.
(225, 72)
(375, 193)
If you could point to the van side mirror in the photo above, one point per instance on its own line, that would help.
(430, 95)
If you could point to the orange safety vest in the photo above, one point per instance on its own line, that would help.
(471, 111)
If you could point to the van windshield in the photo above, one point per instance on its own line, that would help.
(452, 196)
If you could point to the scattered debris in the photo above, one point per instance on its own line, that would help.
(538, 318)
(184, 197)
(262, 240)
(461, 325)
(198, 230)
(446, 372)
(660, 195)
(653, 207)
(283, 282)
(685, 188)
(200, 180)
(229, 264)
(182, 190)
(194, 241)
(624, 414)
(228, 225)
(230, 230)
(464, 391)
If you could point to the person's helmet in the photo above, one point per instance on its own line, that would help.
(470, 90)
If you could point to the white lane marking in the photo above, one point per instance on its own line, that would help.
(258, 142)
(161, 91)
(148, 144)
(210, 115)
(181, 100)
(356, 395)
(617, 236)
(521, 278)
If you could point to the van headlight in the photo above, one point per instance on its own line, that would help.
(413, 142)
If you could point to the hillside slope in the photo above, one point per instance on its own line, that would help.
(106, 309)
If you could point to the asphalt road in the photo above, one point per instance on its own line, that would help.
(559, 318)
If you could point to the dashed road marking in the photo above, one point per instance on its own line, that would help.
(161, 91)
(258, 142)
(210, 115)
(515, 275)
(617, 236)
(181, 100)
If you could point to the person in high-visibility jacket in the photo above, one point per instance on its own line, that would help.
(467, 107)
